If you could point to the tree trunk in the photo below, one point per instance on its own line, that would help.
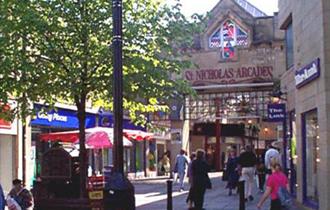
(82, 152)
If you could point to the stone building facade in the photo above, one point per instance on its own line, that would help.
(237, 60)
(305, 80)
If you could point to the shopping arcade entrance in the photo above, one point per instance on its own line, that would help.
(231, 117)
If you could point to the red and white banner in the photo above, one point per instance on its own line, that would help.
(7, 127)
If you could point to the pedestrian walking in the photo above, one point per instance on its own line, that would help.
(190, 178)
(261, 174)
(201, 180)
(165, 165)
(247, 161)
(232, 171)
(181, 163)
(271, 153)
(275, 182)
(2, 199)
(21, 195)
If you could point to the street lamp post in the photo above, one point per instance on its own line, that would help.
(118, 85)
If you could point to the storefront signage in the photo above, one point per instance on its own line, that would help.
(61, 118)
(245, 74)
(276, 112)
(308, 73)
(106, 120)
(9, 127)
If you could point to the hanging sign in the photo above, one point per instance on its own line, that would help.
(276, 112)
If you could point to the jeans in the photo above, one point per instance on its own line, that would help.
(181, 179)
(248, 177)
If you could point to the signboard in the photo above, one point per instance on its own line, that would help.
(231, 75)
(308, 73)
(7, 127)
(276, 112)
(176, 136)
(3, 123)
(62, 118)
(107, 120)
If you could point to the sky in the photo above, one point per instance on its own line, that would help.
(190, 7)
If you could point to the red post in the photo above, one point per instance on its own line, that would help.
(218, 137)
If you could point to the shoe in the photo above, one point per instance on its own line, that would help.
(251, 198)
(230, 193)
(246, 200)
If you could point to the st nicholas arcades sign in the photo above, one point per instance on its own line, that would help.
(243, 74)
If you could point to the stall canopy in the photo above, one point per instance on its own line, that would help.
(98, 137)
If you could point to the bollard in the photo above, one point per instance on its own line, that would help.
(169, 195)
(241, 195)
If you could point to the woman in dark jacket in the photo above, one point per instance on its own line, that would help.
(201, 180)
(232, 171)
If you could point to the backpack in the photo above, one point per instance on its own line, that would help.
(24, 198)
(284, 197)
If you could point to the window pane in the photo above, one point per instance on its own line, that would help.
(312, 155)
(215, 40)
(289, 46)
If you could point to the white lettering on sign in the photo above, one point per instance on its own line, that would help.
(52, 117)
(306, 74)
(276, 116)
(229, 75)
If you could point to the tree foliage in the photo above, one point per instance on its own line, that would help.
(52, 50)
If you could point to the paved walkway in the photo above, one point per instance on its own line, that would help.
(152, 195)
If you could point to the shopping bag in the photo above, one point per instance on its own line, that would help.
(12, 204)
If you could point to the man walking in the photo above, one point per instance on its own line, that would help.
(247, 160)
(271, 153)
(181, 163)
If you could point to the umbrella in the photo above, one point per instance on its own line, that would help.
(96, 138)
(137, 135)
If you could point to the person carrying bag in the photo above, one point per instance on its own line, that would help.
(21, 196)
(277, 189)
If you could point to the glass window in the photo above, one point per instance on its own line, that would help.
(289, 45)
(228, 36)
(312, 156)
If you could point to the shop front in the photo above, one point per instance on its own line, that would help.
(9, 151)
(62, 118)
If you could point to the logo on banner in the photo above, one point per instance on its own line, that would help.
(52, 117)
(276, 112)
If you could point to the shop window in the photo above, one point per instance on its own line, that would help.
(289, 45)
(311, 156)
(227, 37)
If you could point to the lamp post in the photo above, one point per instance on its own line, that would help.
(118, 85)
(218, 160)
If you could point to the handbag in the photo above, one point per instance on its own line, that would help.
(12, 204)
(225, 175)
(208, 182)
(284, 197)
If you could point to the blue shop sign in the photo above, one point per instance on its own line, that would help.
(308, 73)
(106, 119)
(276, 112)
(60, 118)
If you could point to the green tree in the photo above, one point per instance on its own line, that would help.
(53, 50)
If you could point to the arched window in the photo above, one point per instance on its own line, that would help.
(228, 36)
